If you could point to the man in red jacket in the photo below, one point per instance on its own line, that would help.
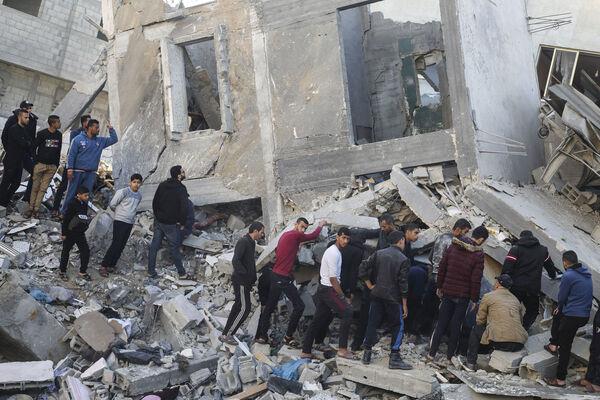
(282, 280)
(458, 281)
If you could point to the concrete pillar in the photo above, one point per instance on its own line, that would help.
(174, 88)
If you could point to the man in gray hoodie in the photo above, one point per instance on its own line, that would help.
(125, 203)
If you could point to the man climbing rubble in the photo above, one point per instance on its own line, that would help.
(282, 280)
(385, 274)
(498, 325)
(524, 263)
(170, 205)
(243, 278)
(459, 281)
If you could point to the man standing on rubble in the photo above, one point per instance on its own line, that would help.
(170, 206)
(16, 144)
(411, 234)
(575, 297)
(459, 280)
(64, 180)
(331, 299)
(243, 278)
(84, 158)
(282, 281)
(498, 325)
(524, 264)
(385, 274)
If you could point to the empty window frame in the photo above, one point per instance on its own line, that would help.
(31, 7)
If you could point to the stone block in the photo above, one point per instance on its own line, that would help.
(201, 376)
(413, 383)
(203, 244)
(261, 348)
(414, 197)
(538, 365)
(507, 362)
(535, 343)
(309, 375)
(24, 375)
(581, 349)
(247, 369)
(95, 371)
(94, 329)
(228, 379)
(235, 223)
(108, 377)
(182, 313)
(27, 330)
(224, 263)
(287, 353)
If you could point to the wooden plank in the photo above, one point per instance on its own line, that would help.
(250, 392)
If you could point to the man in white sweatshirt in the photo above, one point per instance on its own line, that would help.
(124, 203)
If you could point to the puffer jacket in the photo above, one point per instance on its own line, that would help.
(461, 270)
(502, 312)
(437, 252)
(524, 264)
(388, 270)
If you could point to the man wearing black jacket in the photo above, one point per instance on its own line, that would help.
(16, 145)
(47, 157)
(385, 274)
(74, 225)
(31, 128)
(524, 264)
(243, 278)
(170, 206)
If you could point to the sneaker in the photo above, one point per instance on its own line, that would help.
(366, 358)
(228, 340)
(396, 362)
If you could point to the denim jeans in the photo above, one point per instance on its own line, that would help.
(170, 232)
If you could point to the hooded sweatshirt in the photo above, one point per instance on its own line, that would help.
(461, 270)
(85, 153)
(576, 293)
(31, 127)
(16, 145)
(125, 203)
(524, 264)
(170, 202)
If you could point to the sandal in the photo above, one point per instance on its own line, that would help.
(547, 348)
(103, 271)
(261, 340)
(63, 276)
(291, 342)
(322, 347)
(85, 276)
(554, 382)
(348, 355)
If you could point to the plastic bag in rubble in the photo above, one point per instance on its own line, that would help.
(41, 296)
(61, 294)
(289, 370)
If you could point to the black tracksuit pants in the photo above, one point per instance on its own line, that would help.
(531, 302)
(11, 180)
(60, 192)
(475, 347)
(363, 319)
(84, 251)
(562, 333)
(328, 303)
(240, 310)
(280, 284)
(451, 316)
(121, 232)
(393, 313)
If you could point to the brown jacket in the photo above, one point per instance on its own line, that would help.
(502, 312)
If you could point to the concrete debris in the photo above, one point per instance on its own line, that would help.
(235, 223)
(95, 330)
(507, 362)
(182, 313)
(26, 375)
(414, 197)
(538, 365)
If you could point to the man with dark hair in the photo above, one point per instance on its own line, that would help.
(459, 280)
(60, 191)
(524, 264)
(575, 297)
(385, 273)
(411, 234)
(282, 280)
(331, 299)
(498, 323)
(47, 157)
(16, 145)
(170, 204)
(31, 128)
(124, 203)
(74, 225)
(84, 158)
(243, 278)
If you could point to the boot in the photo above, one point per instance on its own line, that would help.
(366, 358)
(396, 362)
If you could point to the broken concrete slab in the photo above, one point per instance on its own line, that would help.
(72, 388)
(507, 362)
(182, 313)
(414, 383)
(94, 329)
(536, 343)
(27, 330)
(95, 371)
(206, 245)
(538, 365)
(225, 263)
(581, 349)
(414, 197)
(26, 375)
(235, 223)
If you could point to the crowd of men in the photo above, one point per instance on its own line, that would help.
(393, 291)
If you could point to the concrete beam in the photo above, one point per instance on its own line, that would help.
(306, 170)
(26, 375)
(222, 52)
(174, 88)
(76, 101)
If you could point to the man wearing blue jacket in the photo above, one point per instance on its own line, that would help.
(84, 158)
(574, 304)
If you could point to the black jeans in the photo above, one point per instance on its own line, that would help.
(532, 306)
(431, 306)
(451, 315)
(363, 319)
(121, 232)
(60, 192)
(11, 180)
(84, 251)
(240, 310)
(562, 333)
(475, 347)
(280, 284)
(393, 313)
(28, 165)
(171, 233)
(328, 303)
